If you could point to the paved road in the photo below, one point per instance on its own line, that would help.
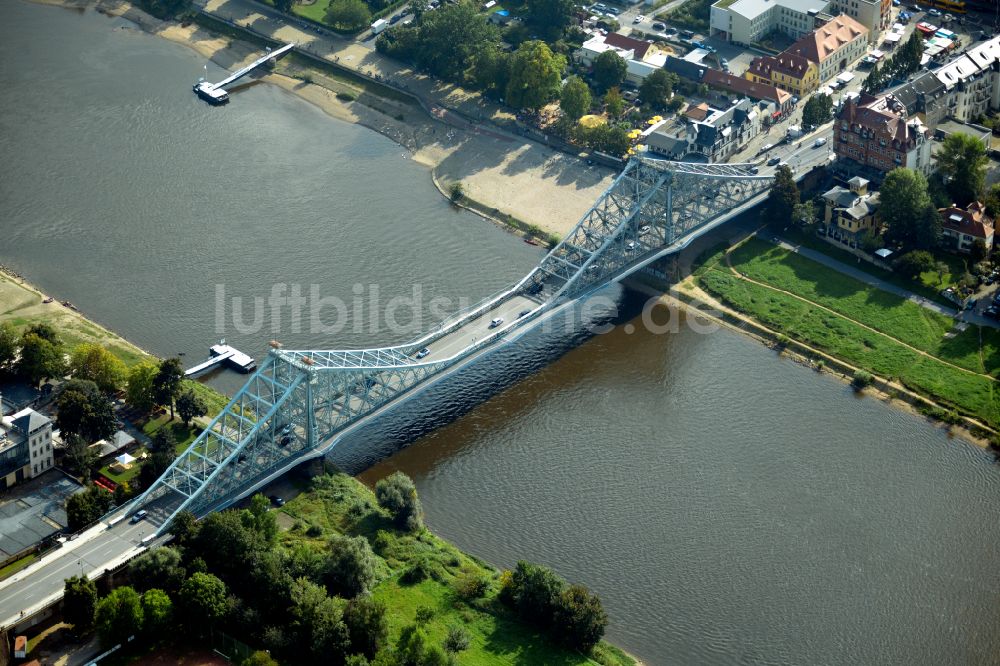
(38, 583)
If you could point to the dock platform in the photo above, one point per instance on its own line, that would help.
(223, 353)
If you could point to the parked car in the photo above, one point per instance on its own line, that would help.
(639, 19)
(766, 147)
(934, 12)
(659, 26)
(992, 312)
(276, 501)
(687, 34)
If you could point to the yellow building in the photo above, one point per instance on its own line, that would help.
(848, 214)
(787, 71)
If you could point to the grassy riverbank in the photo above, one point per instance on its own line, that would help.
(22, 304)
(866, 327)
(340, 504)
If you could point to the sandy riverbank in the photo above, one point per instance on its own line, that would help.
(515, 176)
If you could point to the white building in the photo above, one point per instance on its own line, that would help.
(876, 15)
(641, 58)
(747, 21)
(972, 81)
(25, 446)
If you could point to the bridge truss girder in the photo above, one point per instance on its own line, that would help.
(298, 402)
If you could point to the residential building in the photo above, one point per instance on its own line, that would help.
(706, 133)
(876, 15)
(960, 229)
(25, 446)
(642, 58)
(873, 135)
(781, 100)
(972, 81)
(787, 71)
(849, 213)
(833, 46)
(965, 88)
(747, 21)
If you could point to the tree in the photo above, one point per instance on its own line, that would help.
(203, 600)
(260, 519)
(992, 201)
(41, 354)
(533, 591)
(284, 5)
(154, 467)
(118, 616)
(978, 251)
(94, 362)
(164, 440)
(159, 568)
(80, 458)
(962, 161)
(580, 619)
(609, 70)
(367, 625)
(490, 70)
(139, 391)
(85, 507)
(783, 198)
(805, 213)
(318, 621)
(818, 109)
(397, 495)
(915, 262)
(259, 658)
(574, 100)
(535, 73)
(167, 383)
(83, 410)
(656, 89)
(157, 612)
(612, 140)
(614, 103)
(79, 603)
(8, 343)
(350, 569)
(184, 527)
(551, 16)
(904, 208)
(348, 15)
(190, 406)
(457, 639)
(874, 81)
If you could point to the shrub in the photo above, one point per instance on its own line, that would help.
(457, 639)
(424, 615)
(471, 586)
(351, 568)
(862, 379)
(416, 572)
(455, 192)
(346, 96)
(314, 531)
(397, 495)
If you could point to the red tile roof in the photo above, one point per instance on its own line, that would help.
(972, 221)
(738, 84)
(786, 63)
(638, 46)
(824, 41)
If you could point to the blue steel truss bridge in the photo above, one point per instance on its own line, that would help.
(299, 404)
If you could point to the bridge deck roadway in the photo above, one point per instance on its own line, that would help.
(42, 582)
(479, 328)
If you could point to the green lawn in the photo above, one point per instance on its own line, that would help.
(904, 320)
(183, 434)
(341, 504)
(17, 565)
(929, 286)
(858, 346)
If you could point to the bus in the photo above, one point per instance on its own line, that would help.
(951, 6)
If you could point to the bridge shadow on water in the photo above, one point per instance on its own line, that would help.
(484, 377)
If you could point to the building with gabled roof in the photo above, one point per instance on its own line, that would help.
(787, 71)
(873, 135)
(960, 229)
(833, 46)
(849, 213)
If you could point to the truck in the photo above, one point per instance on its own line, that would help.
(379, 25)
(794, 131)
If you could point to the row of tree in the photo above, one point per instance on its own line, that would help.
(902, 63)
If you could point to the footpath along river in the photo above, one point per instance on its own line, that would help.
(729, 506)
